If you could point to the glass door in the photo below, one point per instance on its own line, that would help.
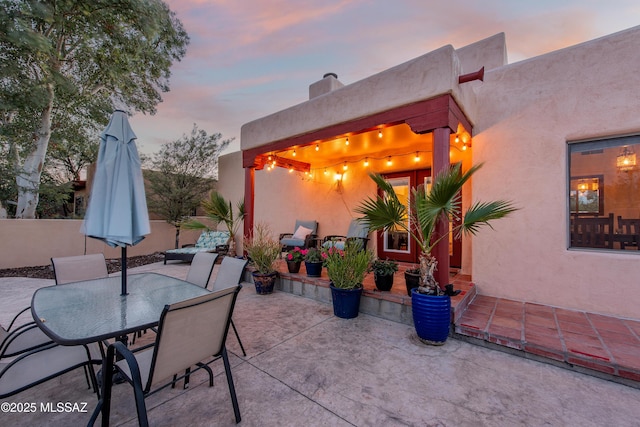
(397, 244)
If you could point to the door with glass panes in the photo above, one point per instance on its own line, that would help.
(397, 244)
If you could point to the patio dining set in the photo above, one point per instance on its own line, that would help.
(84, 321)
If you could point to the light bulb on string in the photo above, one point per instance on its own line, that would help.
(294, 152)
(457, 139)
(380, 133)
(317, 147)
(417, 157)
(345, 166)
(389, 162)
(366, 162)
(346, 141)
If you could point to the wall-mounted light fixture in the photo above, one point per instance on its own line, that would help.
(626, 160)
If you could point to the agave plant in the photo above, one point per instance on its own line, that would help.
(443, 201)
(218, 210)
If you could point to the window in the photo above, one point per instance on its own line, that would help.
(604, 194)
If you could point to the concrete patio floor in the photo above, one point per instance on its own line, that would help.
(306, 367)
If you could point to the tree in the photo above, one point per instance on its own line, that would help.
(76, 61)
(184, 171)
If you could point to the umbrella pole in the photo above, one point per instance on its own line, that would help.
(124, 271)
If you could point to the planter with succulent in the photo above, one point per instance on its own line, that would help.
(346, 270)
(428, 211)
(313, 262)
(294, 258)
(263, 250)
(412, 279)
(383, 273)
(218, 210)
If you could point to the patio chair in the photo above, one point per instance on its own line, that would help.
(229, 275)
(209, 241)
(201, 268)
(207, 318)
(357, 231)
(303, 236)
(24, 365)
(77, 268)
(24, 338)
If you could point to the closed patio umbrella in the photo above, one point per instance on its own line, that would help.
(117, 212)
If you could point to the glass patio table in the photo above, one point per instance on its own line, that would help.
(93, 310)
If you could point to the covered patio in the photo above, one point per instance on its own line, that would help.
(306, 367)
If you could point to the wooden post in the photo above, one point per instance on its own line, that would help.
(441, 163)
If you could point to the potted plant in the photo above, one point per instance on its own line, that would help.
(383, 272)
(313, 262)
(412, 279)
(263, 250)
(346, 270)
(294, 258)
(431, 305)
(220, 210)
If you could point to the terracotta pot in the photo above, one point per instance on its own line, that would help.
(293, 266)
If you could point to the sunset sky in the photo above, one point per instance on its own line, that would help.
(251, 58)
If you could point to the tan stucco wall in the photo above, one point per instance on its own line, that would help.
(425, 77)
(529, 112)
(523, 115)
(231, 184)
(33, 242)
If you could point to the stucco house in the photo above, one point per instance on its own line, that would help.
(558, 135)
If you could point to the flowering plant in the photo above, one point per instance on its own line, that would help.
(347, 268)
(313, 255)
(296, 254)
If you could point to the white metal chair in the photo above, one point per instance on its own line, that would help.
(230, 275)
(77, 268)
(176, 349)
(201, 268)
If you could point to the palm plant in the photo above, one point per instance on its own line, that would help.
(218, 210)
(426, 210)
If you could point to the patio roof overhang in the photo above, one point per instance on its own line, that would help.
(422, 117)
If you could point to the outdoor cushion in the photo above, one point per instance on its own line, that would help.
(207, 242)
(289, 240)
(357, 231)
(301, 233)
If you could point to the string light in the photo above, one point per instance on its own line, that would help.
(317, 147)
(345, 166)
(366, 162)
(457, 139)
(346, 142)
(464, 146)
(417, 157)
(389, 162)
(290, 168)
(294, 152)
(325, 171)
(380, 133)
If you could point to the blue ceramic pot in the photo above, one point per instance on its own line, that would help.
(314, 269)
(264, 282)
(346, 302)
(431, 317)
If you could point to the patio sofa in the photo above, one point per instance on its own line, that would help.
(209, 241)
